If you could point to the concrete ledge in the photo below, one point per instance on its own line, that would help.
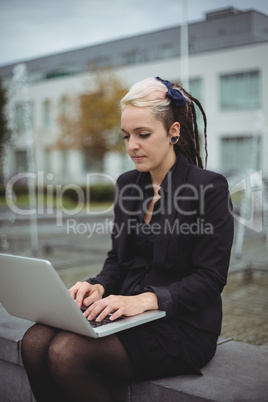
(12, 330)
(238, 372)
(14, 384)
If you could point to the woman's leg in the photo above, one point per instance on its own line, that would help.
(80, 366)
(62, 366)
(35, 344)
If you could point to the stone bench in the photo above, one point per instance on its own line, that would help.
(237, 373)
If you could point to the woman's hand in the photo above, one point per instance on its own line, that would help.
(85, 294)
(121, 305)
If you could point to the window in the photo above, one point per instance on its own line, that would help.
(23, 116)
(130, 57)
(101, 61)
(47, 161)
(92, 163)
(19, 123)
(21, 161)
(64, 162)
(64, 72)
(240, 91)
(46, 114)
(195, 89)
(240, 153)
(64, 105)
(35, 76)
(166, 51)
(143, 56)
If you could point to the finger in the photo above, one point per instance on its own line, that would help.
(90, 299)
(117, 314)
(103, 314)
(93, 297)
(73, 289)
(113, 307)
(86, 312)
(91, 311)
(84, 289)
(98, 308)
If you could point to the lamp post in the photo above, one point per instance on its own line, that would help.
(184, 47)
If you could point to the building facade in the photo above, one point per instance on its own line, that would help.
(227, 71)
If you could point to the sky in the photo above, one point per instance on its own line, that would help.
(34, 28)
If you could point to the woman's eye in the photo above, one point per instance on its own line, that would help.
(145, 135)
(126, 137)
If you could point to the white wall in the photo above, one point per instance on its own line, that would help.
(210, 67)
(207, 66)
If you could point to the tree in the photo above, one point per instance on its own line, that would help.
(4, 130)
(92, 120)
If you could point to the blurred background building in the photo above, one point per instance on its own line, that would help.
(227, 71)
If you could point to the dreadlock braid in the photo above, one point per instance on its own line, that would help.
(189, 143)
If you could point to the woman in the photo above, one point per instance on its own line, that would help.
(171, 247)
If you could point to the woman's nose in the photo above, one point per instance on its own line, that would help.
(132, 144)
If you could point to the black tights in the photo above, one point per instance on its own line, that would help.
(62, 366)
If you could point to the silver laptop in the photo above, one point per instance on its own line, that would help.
(30, 288)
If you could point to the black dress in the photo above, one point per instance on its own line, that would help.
(164, 347)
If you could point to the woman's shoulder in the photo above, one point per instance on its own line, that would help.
(204, 176)
(128, 177)
(196, 175)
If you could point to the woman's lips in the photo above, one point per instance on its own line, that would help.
(138, 158)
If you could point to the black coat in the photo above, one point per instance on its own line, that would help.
(192, 248)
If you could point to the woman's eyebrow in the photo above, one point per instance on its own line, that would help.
(136, 129)
(141, 128)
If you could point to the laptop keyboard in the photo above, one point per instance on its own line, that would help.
(105, 321)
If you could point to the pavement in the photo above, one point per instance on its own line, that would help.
(87, 236)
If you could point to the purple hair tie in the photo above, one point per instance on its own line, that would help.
(173, 94)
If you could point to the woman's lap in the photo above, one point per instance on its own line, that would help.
(147, 353)
(151, 358)
(61, 347)
(62, 366)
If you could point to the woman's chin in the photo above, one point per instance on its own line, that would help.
(141, 168)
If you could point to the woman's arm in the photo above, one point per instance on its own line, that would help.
(209, 258)
(112, 276)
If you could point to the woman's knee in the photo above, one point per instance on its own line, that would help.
(32, 337)
(37, 338)
(61, 353)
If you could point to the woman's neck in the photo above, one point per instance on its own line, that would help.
(158, 176)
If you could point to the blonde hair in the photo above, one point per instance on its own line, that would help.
(151, 95)
(148, 93)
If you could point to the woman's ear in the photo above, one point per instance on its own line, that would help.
(174, 130)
